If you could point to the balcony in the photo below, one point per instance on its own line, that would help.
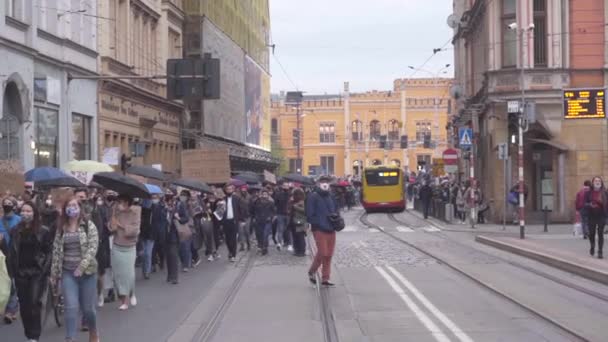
(508, 80)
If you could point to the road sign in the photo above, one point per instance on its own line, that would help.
(513, 107)
(450, 157)
(503, 151)
(465, 137)
(450, 168)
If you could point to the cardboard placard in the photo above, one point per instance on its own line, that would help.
(270, 177)
(12, 180)
(210, 165)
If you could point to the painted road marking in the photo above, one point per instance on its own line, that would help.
(428, 323)
(402, 229)
(350, 229)
(462, 336)
(432, 229)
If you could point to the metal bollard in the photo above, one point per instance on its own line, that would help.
(546, 212)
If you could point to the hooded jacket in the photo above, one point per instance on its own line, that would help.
(319, 205)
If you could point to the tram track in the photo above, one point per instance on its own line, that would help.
(364, 219)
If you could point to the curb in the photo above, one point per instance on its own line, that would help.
(557, 262)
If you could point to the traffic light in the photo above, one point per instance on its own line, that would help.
(427, 141)
(296, 137)
(382, 142)
(125, 163)
(404, 141)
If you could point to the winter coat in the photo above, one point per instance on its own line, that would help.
(319, 205)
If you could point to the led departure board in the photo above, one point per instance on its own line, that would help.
(584, 104)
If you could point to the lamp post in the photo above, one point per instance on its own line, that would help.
(520, 129)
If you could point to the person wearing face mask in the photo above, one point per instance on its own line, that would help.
(596, 204)
(264, 212)
(9, 220)
(172, 241)
(74, 268)
(281, 201)
(244, 231)
(149, 231)
(159, 232)
(125, 224)
(319, 206)
(100, 216)
(231, 220)
(183, 215)
(29, 259)
(426, 195)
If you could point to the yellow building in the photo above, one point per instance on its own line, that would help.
(342, 133)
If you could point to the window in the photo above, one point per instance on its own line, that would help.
(423, 128)
(294, 165)
(295, 138)
(374, 130)
(81, 137)
(47, 132)
(14, 9)
(424, 162)
(327, 163)
(509, 37)
(540, 33)
(393, 130)
(327, 133)
(274, 127)
(357, 130)
(382, 177)
(175, 44)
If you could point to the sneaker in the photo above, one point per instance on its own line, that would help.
(185, 270)
(290, 248)
(100, 301)
(146, 276)
(210, 258)
(217, 255)
(133, 300)
(600, 255)
(312, 278)
(198, 262)
(592, 251)
(232, 259)
(123, 307)
(327, 283)
(278, 246)
(241, 248)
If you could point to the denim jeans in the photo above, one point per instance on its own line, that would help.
(79, 294)
(185, 253)
(244, 232)
(262, 233)
(282, 222)
(12, 307)
(147, 252)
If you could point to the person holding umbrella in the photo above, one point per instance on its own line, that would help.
(125, 225)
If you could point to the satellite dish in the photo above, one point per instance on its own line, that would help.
(456, 91)
(453, 21)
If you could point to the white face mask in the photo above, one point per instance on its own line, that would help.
(155, 201)
(49, 202)
(597, 185)
(183, 198)
(99, 202)
(324, 186)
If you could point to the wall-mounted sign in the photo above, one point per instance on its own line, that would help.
(584, 104)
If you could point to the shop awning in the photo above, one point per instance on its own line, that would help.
(553, 143)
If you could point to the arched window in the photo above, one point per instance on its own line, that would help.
(396, 162)
(357, 130)
(376, 162)
(374, 130)
(393, 130)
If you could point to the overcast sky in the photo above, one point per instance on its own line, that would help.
(322, 43)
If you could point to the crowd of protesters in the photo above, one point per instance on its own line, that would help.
(89, 243)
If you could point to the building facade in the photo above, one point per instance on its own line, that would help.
(48, 115)
(237, 33)
(135, 118)
(536, 49)
(341, 134)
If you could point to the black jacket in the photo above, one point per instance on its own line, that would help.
(426, 193)
(43, 251)
(237, 206)
(263, 210)
(281, 201)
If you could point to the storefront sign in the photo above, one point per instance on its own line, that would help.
(210, 165)
(584, 104)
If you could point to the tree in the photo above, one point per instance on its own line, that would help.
(277, 152)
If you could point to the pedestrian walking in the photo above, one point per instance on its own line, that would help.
(281, 201)
(244, 231)
(101, 218)
(147, 236)
(596, 203)
(319, 206)
(125, 224)
(29, 259)
(231, 221)
(426, 195)
(159, 229)
(9, 220)
(74, 266)
(183, 215)
(264, 212)
(582, 209)
(172, 241)
(298, 221)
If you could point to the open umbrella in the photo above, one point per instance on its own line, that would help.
(154, 189)
(43, 173)
(87, 166)
(304, 180)
(146, 171)
(248, 177)
(237, 183)
(193, 184)
(121, 184)
(62, 182)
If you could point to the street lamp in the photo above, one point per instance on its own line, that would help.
(521, 122)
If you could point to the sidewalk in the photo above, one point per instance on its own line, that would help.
(564, 252)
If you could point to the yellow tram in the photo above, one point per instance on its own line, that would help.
(382, 188)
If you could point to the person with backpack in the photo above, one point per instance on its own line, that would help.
(74, 268)
(319, 207)
(297, 211)
(596, 205)
(581, 209)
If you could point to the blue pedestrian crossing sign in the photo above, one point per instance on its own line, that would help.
(465, 137)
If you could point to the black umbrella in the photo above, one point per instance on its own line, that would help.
(62, 182)
(122, 184)
(304, 180)
(193, 184)
(248, 177)
(146, 171)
